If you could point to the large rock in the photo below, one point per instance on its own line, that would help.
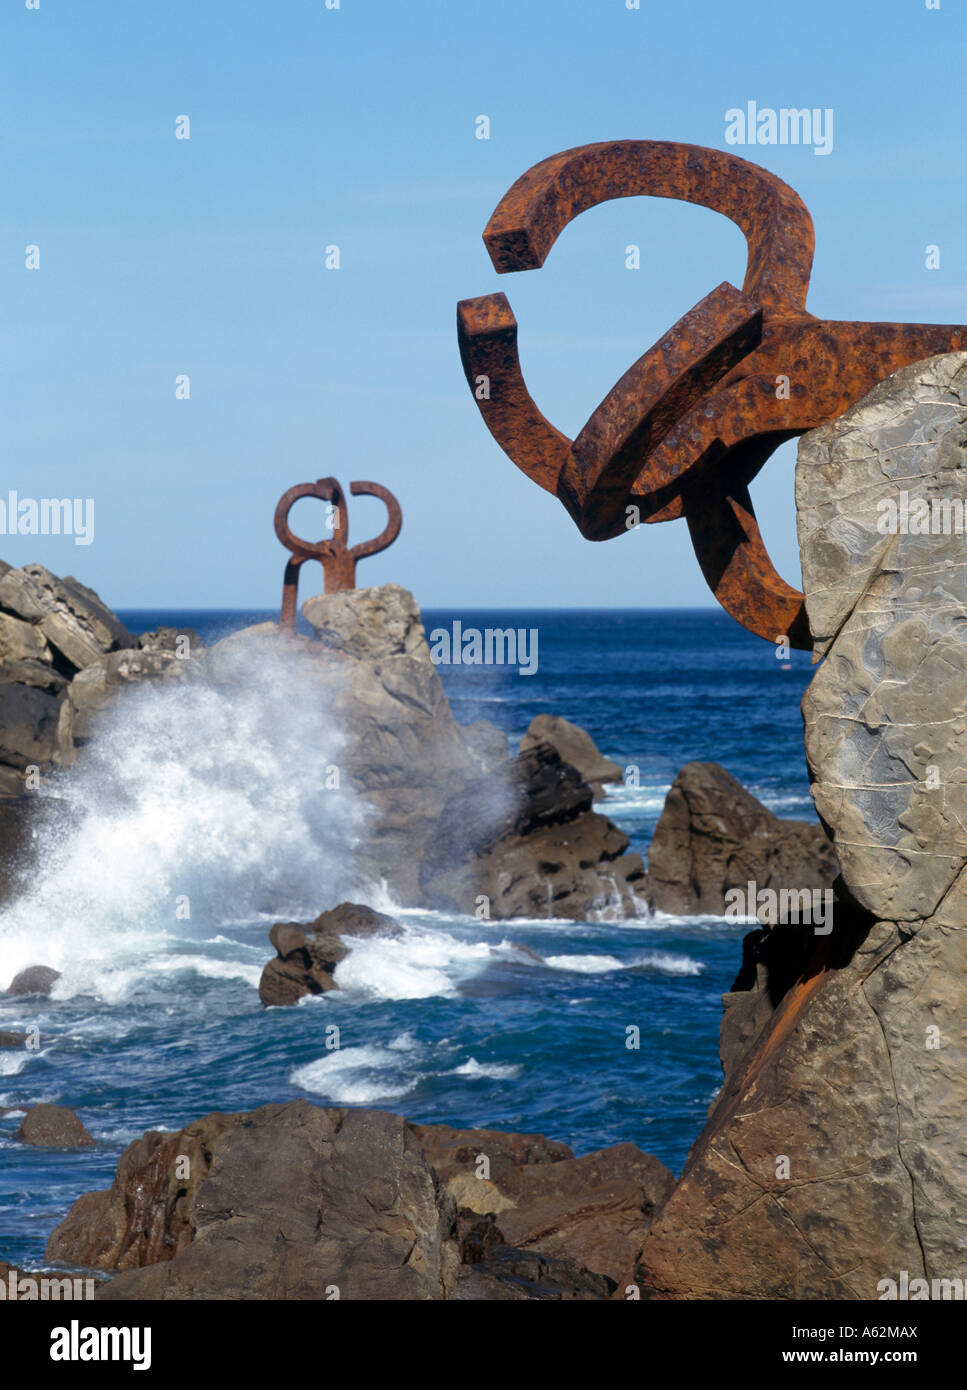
(71, 617)
(449, 817)
(575, 746)
(287, 1202)
(34, 979)
(292, 1201)
(886, 715)
(532, 847)
(835, 1156)
(714, 835)
(307, 954)
(53, 1127)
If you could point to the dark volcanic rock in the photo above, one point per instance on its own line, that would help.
(35, 979)
(12, 1039)
(714, 835)
(309, 953)
(575, 746)
(53, 1127)
(531, 846)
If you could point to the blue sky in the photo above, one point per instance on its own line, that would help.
(356, 127)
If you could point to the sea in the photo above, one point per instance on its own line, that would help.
(197, 822)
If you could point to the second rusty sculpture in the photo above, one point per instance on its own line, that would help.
(690, 424)
(337, 559)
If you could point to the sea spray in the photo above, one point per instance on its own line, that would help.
(196, 804)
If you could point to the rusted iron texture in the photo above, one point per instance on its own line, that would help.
(691, 423)
(337, 559)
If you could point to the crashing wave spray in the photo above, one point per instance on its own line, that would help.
(197, 803)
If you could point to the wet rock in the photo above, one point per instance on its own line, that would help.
(35, 979)
(714, 835)
(307, 954)
(576, 747)
(53, 1127)
(8, 1039)
(531, 846)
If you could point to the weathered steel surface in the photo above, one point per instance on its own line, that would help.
(337, 559)
(692, 422)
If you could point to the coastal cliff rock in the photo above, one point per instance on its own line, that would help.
(293, 1201)
(835, 1156)
(714, 835)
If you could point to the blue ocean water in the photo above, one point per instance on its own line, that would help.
(157, 1019)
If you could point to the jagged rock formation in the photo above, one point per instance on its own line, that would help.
(530, 845)
(293, 1201)
(835, 1156)
(575, 746)
(63, 653)
(454, 819)
(714, 835)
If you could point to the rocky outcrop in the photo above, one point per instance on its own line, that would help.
(575, 746)
(307, 954)
(529, 845)
(450, 819)
(714, 835)
(63, 655)
(293, 1201)
(594, 1210)
(53, 1127)
(835, 1156)
(34, 979)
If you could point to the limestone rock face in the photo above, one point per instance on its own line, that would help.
(69, 616)
(713, 835)
(835, 1156)
(886, 715)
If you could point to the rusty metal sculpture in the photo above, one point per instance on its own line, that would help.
(337, 559)
(692, 422)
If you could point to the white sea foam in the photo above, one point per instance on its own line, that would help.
(362, 1075)
(664, 962)
(584, 965)
(190, 799)
(417, 964)
(493, 1070)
